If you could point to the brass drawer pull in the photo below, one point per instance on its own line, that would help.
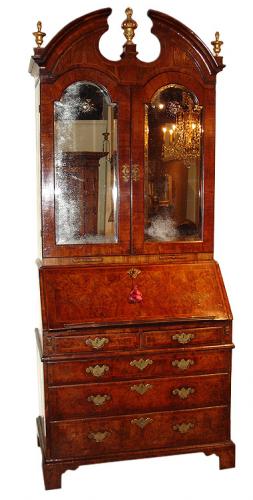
(97, 343)
(182, 364)
(184, 392)
(141, 388)
(183, 338)
(98, 370)
(142, 422)
(99, 400)
(184, 427)
(98, 436)
(141, 364)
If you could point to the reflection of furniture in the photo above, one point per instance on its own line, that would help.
(83, 185)
(136, 340)
(179, 177)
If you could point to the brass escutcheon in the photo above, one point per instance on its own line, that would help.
(98, 370)
(184, 427)
(125, 172)
(135, 173)
(99, 400)
(183, 338)
(142, 422)
(141, 364)
(184, 392)
(183, 364)
(141, 388)
(98, 436)
(97, 343)
(134, 272)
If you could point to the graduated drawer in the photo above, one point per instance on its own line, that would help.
(185, 337)
(142, 431)
(140, 366)
(104, 341)
(116, 398)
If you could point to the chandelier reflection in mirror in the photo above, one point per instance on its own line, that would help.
(173, 166)
(182, 129)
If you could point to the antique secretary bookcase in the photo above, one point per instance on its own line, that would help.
(135, 343)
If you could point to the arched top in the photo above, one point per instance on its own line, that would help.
(162, 23)
(176, 87)
(77, 89)
(77, 46)
(82, 100)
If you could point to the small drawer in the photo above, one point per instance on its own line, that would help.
(140, 365)
(102, 436)
(90, 342)
(115, 398)
(185, 337)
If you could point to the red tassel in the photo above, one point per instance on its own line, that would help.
(135, 295)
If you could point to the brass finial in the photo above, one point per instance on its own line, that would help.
(217, 43)
(39, 35)
(129, 25)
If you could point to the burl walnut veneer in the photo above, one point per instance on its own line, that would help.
(136, 337)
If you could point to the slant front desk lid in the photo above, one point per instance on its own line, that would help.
(76, 297)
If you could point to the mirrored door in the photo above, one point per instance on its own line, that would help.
(167, 145)
(85, 146)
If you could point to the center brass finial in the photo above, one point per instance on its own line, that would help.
(129, 25)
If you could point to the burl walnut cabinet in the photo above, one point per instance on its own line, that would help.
(136, 336)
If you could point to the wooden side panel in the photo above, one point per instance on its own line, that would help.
(76, 296)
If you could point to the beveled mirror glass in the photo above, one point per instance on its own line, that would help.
(86, 165)
(173, 166)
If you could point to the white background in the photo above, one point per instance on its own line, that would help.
(190, 476)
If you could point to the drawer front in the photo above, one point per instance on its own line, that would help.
(96, 437)
(184, 362)
(64, 344)
(185, 337)
(140, 395)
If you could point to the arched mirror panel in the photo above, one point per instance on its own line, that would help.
(173, 166)
(86, 166)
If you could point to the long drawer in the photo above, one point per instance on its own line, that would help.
(116, 398)
(138, 365)
(96, 437)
